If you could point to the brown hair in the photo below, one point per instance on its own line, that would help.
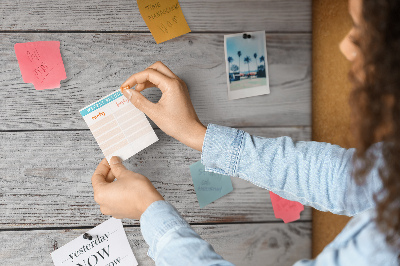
(375, 102)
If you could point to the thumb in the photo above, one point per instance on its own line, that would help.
(139, 101)
(99, 176)
(117, 167)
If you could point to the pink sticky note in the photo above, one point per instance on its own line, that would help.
(284, 209)
(41, 64)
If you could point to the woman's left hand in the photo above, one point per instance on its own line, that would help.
(127, 197)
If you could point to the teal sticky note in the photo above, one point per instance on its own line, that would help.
(209, 186)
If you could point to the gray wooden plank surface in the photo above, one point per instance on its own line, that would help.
(45, 180)
(96, 64)
(47, 155)
(123, 15)
(242, 244)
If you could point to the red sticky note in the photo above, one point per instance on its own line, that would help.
(41, 63)
(284, 209)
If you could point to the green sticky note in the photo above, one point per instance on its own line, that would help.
(209, 186)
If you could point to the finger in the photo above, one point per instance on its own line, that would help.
(140, 102)
(160, 67)
(142, 86)
(100, 174)
(105, 210)
(110, 177)
(160, 80)
(118, 169)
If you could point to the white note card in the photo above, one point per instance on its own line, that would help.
(118, 126)
(109, 247)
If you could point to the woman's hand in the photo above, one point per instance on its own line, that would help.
(127, 197)
(173, 113)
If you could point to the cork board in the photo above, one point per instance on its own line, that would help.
(331, 89)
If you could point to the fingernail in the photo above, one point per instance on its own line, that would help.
(128, 94)
(115, 160)
(124, 88)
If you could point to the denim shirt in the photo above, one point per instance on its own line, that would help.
(312, 173)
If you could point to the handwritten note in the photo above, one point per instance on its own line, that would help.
(108, 246)
(209, 186)
(118, 126)
(41, 64)
(164, 18)
(284, 209)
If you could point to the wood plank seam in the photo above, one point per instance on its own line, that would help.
(278, 221)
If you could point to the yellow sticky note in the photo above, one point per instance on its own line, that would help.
(164, 18)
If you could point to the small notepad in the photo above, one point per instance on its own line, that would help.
(118, 126)
(108, 246)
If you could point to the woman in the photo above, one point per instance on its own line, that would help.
(316, 174)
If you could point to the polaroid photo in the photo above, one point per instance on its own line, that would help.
(246, 64)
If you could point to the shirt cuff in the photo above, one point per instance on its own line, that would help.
(222, 148)
(157, 220)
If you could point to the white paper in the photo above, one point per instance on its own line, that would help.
(108, 247)
(118, 126)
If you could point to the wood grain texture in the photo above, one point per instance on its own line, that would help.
(47, 155)
(241, 244)
(97, 64)
(124, 15)
(45, 180)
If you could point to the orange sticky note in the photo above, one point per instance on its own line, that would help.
(41, 64)
(284, 209)
(164, 18)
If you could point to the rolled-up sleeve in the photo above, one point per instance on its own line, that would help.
(316, 174)
(172, 241)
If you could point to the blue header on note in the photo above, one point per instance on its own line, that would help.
(100, 103)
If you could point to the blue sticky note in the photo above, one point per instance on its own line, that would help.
(209, 186)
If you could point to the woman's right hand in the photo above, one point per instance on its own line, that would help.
(173, 113)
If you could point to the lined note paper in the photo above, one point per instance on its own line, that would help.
(41, 64)
(164, 18)
(118, 126)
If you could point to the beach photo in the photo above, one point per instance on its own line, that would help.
(246, 64)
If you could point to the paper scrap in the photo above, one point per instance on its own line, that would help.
(164, 18)
(41, 63)
(109, 246)
(118, 126)
(209, 186)
(284, 209)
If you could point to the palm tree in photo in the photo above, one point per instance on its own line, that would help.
(262, 59)
(234, 68)
(247, 60)
(230, 60)
(239, 55)
(255, 60)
